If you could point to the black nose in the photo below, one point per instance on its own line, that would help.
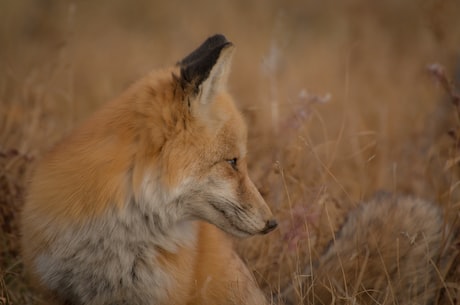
(269, 226)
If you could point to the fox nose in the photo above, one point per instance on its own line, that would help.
(270, 225)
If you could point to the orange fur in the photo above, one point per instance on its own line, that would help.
(130, 206)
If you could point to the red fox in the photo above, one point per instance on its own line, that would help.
(389, 250)
(135, 205)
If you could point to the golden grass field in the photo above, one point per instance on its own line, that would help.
(337, 96)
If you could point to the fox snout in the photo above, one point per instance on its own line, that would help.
(263, 214)
(241, 212)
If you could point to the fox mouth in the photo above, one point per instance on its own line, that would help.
(238, 231)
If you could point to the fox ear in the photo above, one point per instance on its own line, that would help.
(205, 70)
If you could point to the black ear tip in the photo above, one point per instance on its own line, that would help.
(216, 42)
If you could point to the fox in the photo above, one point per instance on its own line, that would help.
(390, 249)
(141, 202)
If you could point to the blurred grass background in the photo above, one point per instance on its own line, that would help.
(336, 94)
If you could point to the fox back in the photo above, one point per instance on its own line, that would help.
(132, 206)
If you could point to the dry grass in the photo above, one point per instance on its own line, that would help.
(338, 99)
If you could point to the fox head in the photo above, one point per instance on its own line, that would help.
(198, 140)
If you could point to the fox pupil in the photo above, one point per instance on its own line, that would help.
(233, 162)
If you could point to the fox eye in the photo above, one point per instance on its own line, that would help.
(233, 162)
